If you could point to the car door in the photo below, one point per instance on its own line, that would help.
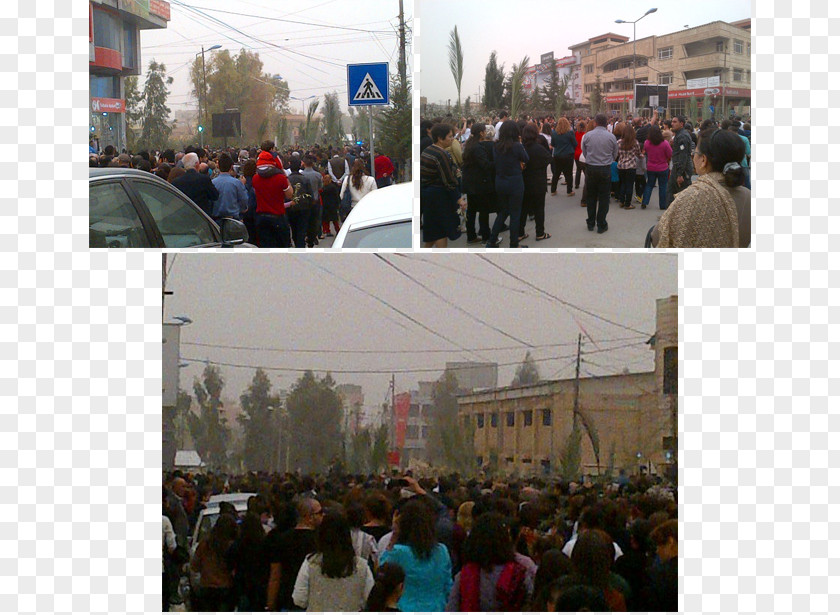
(115, 221)
(180, 223)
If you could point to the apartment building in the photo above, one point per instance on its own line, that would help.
(526, 429)
(710, 64)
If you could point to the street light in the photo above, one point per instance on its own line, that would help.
(204, 89)
(634, 52)
(302, 112)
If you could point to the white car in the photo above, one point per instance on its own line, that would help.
(382, 219)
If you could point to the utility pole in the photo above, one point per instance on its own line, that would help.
(401, 67)
(163, 288)
(576, 410)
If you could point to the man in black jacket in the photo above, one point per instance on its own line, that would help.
(681, 165)
(197, 186)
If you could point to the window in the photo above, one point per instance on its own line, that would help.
(670, 371)
(494, 419)
(588, 88)
(719, 46)
(666, 78)
(508, 459)
(738, 46)
(546, 418)
(105, 86)
(413, 411)
(526, 460)
(666, 53)
(106, 30)
(479, 420)
(114, 222)
(392, 235)
(180, 224)
(737, 74)
(748, 76)
(509, 419)
(129, 55)
(424, 432)
(587, 70)
(749, 48)
(528, 419)
(412, 432)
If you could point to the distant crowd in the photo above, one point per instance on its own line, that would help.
(499, 165)
(285, 199)
(396, 543)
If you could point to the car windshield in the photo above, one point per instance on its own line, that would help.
(393, 235)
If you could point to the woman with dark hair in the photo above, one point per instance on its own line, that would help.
(714, 211)
(439, 190)
(163, 170)
(333, 578)
(565, 144)
(425, 137)
(175, 173)
(212, 562)
(363, 543)
(628, 153)
(387, 589)
(658, 152)
(249, 169)
(358, 182)
(428, 569)
(377, 515)
(251, 580)
(478, 183)
(554, 565)
(592, 558)
(533, 175)
(510, 157)
(491, 578)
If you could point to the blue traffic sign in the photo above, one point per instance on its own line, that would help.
(367, 84)
(712, 108)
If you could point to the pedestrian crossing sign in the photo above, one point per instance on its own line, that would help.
(367, 84)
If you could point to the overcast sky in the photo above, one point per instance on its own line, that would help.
(535, 27)
(332, 43)
(292, 303)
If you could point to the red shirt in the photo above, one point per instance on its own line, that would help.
(269, 192)
(383, 166)
(578, 138)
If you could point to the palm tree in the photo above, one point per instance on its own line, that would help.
(456, 62)
(517, 98)
(310, 130)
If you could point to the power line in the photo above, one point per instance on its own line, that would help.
(451, 303)
(562, 301)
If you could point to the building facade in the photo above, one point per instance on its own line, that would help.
(114, 54)
(706, 65)
(526, 429)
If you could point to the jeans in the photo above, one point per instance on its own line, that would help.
(579, 168)
(299, 222)
(273, 231)
(382, 182)
(674, 188)
(509, 192)
(597, 195)
(627, 177)
(563, 164)
(662, 178)
(478, 204)
(747, 183)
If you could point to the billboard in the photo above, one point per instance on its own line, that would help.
(645, 92)
(227, 124)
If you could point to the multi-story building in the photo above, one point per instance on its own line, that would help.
(114, 54)
(353, 399)
(526, 429)
(712, 60)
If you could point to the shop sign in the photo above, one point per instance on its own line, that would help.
(159, 8)
(107, 105)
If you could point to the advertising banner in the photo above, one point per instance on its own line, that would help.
(402, 402)
(107, 105)
(135, 7)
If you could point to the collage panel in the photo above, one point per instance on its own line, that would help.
(238, 124)
(420, 421)
(599, 126)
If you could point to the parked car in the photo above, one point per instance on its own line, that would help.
(382, 219)
(136, 209)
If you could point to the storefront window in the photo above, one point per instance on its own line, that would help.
(129, 53)
(104, 86)
(106, 30)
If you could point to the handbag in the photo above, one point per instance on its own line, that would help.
(346, 201)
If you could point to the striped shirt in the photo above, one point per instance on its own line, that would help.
(437, 168)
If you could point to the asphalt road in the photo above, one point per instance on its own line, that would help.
(565, 220)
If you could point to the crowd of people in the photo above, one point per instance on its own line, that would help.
(289, 199)
(396, 543)
(499, 165)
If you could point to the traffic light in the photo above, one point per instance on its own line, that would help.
(200, 128)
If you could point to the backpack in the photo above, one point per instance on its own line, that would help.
(302, 197)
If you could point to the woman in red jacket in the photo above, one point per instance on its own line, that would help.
(581, 130)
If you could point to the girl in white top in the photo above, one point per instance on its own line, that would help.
(357, 182)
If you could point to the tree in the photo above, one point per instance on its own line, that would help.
(260, 429)
(359, 457)
(467, 105)
(156, 128)
(182, 413)
(535, 103)
(494, 78)
(551, 92)
(133, 111)
(692, 104)
(310, 130)
(315, 416)
(209, 428)
(517, 78)
(451, 442)
(332, 119)
(570, 459)
(282, 132)
(379, 449)
(527, 372)
(394, 127)
(706, 114)
(456, 63)
(561, 104)
(596, 98)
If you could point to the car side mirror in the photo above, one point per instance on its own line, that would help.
(234, 232)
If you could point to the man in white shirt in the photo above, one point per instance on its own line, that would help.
(504, 115)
